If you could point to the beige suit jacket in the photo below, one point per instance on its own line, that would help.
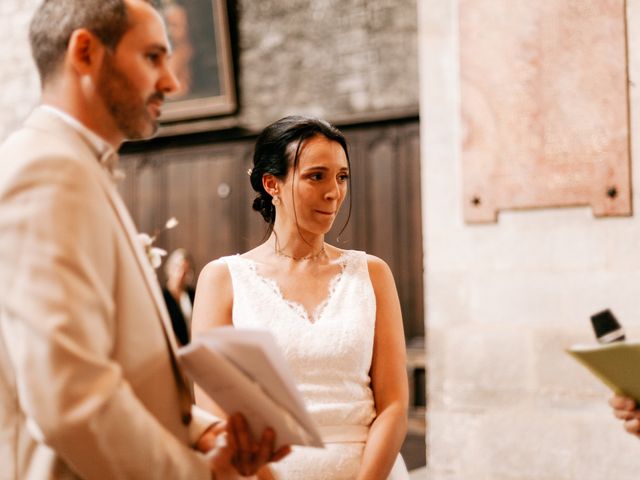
(87, 385)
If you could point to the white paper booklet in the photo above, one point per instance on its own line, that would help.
(243, 371)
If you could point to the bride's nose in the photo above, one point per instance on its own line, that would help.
(333, 191)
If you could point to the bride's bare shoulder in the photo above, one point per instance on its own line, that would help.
(379, 271)
(215, 273)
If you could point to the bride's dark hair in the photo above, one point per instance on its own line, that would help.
(274, 154)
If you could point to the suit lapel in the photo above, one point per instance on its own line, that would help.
(46, 121)
(141, 257)
(186, 395)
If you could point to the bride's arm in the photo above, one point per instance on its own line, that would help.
(388, 378)
(213, 307)
(213, 302)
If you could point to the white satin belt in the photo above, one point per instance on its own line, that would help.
(344, 433)
(359, 433)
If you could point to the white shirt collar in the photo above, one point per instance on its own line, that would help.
(107, 156)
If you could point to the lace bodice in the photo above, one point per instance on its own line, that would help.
(329, 353)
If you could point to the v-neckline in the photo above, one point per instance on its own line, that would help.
(298, 308)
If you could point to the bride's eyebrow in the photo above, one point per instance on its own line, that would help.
(315, 167)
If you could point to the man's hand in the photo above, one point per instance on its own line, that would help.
(230, 443)
(219, 446)
(626, 409)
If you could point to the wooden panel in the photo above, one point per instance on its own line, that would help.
(409, 273)
(148, 199)
(127, 185)
(216, 217)
(181, 203)
(382, 225)
(544, 106)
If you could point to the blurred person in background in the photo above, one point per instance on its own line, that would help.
(178, 292)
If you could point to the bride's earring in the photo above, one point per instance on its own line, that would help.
(275, 200)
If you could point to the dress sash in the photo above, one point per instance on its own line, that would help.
(344, 433)
(359, 433)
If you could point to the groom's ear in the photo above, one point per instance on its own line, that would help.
(84, 52)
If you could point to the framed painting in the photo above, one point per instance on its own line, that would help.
(199, 35)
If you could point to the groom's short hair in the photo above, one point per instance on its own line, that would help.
(55, 21)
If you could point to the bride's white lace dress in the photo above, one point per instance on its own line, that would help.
(330, 354)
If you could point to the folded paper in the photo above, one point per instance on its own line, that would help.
(243, 371)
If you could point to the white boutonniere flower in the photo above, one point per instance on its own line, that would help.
(155, 254)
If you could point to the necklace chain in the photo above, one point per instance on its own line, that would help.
(312, 256)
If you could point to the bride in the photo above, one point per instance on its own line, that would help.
(334, 313)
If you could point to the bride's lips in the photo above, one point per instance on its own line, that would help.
(325, 213)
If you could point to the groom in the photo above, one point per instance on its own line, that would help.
(89, 384)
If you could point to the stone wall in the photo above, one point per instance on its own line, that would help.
(504, 300)
(332, 58)
(19, 84)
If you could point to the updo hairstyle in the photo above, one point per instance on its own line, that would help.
(274, 154)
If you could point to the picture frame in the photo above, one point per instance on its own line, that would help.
(201, 59)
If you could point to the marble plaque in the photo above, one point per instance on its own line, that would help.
(544, 99)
